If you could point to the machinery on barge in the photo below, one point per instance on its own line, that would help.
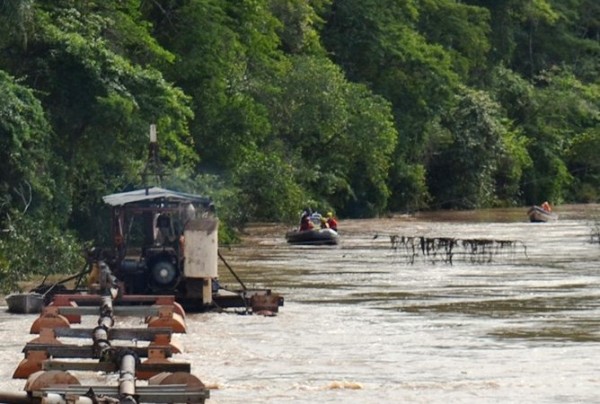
(166, 242)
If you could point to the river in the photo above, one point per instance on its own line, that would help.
(365, 322)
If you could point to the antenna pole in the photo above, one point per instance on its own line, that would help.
(153, 166)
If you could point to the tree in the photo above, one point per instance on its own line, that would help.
(471, 142)
(268, 188)
(99, 104)
(26, 177)
(463, 31)
(533, 35)
(224, 51)
(31, 242)
(378, 44)
(300, 25)
(566, 114)
(338, 136)
(16, 21)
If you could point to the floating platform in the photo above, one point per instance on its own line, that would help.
(25, 303)
(135, 354)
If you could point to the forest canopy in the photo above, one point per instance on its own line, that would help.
(358, 106)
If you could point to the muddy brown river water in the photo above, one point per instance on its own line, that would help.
(364, 322)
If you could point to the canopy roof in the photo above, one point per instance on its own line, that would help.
(154, 194)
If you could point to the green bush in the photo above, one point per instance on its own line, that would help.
(31, 246)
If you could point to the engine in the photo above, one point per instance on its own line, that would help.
(163, 273)
(157, 271)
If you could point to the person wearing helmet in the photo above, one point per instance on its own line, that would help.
(331, 222)
(324, 224)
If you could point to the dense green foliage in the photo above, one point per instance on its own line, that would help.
(358, 106)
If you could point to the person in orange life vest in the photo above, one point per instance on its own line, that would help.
(305, 222)
(331, 221)
(546, 206)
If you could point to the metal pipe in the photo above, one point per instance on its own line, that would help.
(126, 360)
(106, 320)
(127, 379)
(15, 398)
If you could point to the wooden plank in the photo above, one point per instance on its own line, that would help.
(65, 300)
(126, 311)
(140, 334)
(179, 393)
(109, 367)
(87, 351)
(82, 298)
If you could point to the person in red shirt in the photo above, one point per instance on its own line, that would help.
(546, 206)
(331, 221)
(305, 222)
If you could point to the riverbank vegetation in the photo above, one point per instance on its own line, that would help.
(362, 107)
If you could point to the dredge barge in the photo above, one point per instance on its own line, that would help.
(140, 356)
(163, 260)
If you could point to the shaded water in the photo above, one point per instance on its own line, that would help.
(365, 322)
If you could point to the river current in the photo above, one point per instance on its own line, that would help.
(387, 317)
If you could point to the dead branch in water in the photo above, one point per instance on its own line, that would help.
(445, 249)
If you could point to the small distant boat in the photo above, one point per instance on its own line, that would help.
(313, 237)
(25, 303)
(538, 215)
